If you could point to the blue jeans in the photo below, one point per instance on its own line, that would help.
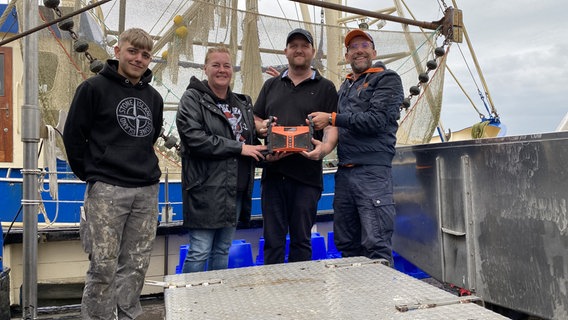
(209, 248)
(364, 212)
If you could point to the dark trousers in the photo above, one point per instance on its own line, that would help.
(288, 206)
(363, 218)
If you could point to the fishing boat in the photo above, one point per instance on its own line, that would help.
(448, 222)
(61, 69)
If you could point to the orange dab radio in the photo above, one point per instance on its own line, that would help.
(289, 139)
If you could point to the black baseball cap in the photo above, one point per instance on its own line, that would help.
(304, 33)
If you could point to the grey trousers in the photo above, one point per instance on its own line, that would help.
(118, 228)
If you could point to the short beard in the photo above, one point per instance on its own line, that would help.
(303, 66)
(360, 69)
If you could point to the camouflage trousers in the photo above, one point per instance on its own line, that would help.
(118, 228)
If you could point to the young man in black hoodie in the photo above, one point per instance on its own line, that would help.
(114, 120)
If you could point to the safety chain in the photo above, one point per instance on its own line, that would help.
(423, 77)
(79, 45)
(450, 35)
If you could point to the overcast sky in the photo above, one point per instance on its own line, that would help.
(522, 49)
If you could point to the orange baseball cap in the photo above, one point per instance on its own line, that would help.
(357, 33)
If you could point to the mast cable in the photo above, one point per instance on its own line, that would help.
(478, 68)
(481, 96)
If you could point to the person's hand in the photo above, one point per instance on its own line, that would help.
(277, 156)
(262, 127)
(254, 151)
(318, 152)
(320, 120)
(272, 71)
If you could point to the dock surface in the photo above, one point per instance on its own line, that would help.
(348, 288)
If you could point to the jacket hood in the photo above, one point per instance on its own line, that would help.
(199, 85)
(378, 66)
(110, 70)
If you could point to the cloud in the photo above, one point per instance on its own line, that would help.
(522, 50)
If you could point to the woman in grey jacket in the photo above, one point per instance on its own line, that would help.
(219, 148)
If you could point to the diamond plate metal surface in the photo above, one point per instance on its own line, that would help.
(348, 288)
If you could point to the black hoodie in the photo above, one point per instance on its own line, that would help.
(112, 127)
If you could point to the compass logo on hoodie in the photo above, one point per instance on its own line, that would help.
(134, 117)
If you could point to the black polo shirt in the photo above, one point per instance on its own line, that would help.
(291, 105)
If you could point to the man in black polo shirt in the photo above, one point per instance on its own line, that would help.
(292, 182)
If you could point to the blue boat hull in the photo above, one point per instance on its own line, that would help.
(66, 209)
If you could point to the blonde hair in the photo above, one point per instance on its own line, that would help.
(217, 50)
(138, 38)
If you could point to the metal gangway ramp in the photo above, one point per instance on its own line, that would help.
(347, 288)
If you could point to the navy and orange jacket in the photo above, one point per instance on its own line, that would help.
(367, 114)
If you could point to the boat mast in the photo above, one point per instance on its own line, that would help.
(30, 172)
(334, 53)
(121, 17)
(30, 138)
(446, 23)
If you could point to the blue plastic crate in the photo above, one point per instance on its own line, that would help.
(1, 246)
(332, 252)
(407, 267)
(260, 256)
(240, 254)
(182, 254)
(319, 251)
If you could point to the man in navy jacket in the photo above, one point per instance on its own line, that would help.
(366, 120)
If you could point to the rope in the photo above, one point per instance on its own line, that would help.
(41, 205)
(51, 160)
(280, 60)
(428, 39)
(161, 16)
(284, 13)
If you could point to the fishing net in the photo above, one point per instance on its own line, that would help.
(261, 39)
(418, 123)
(256, 41)
(60, 68)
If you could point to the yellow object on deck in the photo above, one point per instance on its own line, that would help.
(478, 130)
